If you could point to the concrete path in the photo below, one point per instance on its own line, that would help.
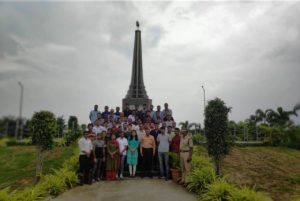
(129, 190)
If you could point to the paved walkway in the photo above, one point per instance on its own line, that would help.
(129, 190)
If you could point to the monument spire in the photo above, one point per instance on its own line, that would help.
(136, 94)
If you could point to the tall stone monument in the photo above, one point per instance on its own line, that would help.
(137, 97)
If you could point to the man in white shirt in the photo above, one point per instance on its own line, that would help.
(97, 129)
(85, 147)
(140, 131)
(123, 143)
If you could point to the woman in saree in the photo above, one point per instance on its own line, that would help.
(113, 157)
(132, 153)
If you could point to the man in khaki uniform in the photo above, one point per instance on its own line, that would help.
(186, 151)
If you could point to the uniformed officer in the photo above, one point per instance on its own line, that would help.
(186, 151)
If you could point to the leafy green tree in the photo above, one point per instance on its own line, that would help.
(60, 125)
(83, 127)
(43, 128)
(8, 125)
(216, 125)
(73, 123)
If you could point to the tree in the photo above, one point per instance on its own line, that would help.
(184, 125)
(73, 123)
(280, 117)
(216, 122)
(60, 125)
(43, 128)
(197, 127)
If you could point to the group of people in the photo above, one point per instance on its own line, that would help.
(116, 140)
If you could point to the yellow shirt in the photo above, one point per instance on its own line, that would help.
(148, 142)
(186, 143)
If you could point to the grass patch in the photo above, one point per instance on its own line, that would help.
(294, 179)
(17, 164)
(275, 170)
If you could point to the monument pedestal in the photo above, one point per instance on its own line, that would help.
(137, 103)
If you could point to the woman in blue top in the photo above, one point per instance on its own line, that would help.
(132, 153)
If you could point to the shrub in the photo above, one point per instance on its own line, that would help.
(33, 193)
(67, 176)
(53, 185)
(5, 195)
(246, 194)
(71, 136)
(292, 138)
(174, 160)
(72, 163)
(198, 179)
(200, 162)
(219, 190)
(198, 138)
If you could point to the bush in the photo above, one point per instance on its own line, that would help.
(71, 136)
(174, 160)
(67, 176)
(198, 138)
(53, 185)
(246, 194)
(198, 179)
(292, 138)
(5, 195)
(34, 193)
(219, 190)
(200, 162)
(71, 163)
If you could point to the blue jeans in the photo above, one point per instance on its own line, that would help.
(122, 164)
(163, 158)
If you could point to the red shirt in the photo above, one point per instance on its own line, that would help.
(175, 143)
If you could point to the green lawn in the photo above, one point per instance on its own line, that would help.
(17, 164)
(275, 170)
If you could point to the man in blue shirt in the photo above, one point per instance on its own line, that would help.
(93, 114)
(105, 113)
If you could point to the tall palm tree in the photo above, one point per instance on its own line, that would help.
(184, 125)
(196, 126)
(260, 116)
(280, 117)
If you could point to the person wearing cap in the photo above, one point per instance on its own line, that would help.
(147, 151)
(85, 147)
(186, 151)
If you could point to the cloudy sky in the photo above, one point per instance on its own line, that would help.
(72, 55)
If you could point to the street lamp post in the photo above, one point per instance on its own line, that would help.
(203, 109)
(20, 122)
